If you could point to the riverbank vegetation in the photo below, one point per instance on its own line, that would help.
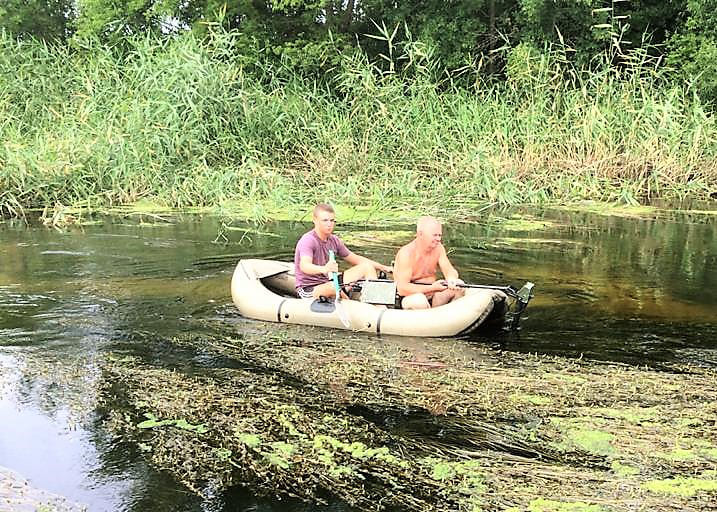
(389, 424)
(203, 118)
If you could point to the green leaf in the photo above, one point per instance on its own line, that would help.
(251, 440)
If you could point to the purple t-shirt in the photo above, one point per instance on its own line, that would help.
(311, 245)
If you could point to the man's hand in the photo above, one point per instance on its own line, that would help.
(454, 284)
(438, 286)
(331, 266)
(385, 268)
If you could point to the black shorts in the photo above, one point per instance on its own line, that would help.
(399, 299)
(430, 298)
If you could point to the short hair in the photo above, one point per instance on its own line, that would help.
(323, 207)
(425, 221)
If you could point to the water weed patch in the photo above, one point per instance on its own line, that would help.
(318, 416)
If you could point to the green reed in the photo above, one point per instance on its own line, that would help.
(180, 122)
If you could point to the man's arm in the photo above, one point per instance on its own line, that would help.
(447, 269)
(307, 266)
(355, 259)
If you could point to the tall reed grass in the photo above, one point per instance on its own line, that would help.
(181, 122)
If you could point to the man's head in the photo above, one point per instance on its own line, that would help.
(429, 232)
(324, 219)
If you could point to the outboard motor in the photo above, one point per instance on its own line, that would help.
(522, 296)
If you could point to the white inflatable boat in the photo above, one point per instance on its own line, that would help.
(265, 290)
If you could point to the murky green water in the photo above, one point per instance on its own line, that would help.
(638, 290)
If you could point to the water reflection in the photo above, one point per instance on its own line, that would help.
(615, 288)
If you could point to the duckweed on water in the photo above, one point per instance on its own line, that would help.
(679, 454)
(251, 440)
(623, 469)
(379, 238)
(544, 505)
(632, 415)
(596, 442)
(525, 223)
(614, 209)
(691, 449)
(278, 446)
(682, 486)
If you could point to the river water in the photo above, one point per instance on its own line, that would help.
(635, 289)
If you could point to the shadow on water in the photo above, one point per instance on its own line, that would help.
(635, 290)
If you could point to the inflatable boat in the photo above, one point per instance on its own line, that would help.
(265, 290)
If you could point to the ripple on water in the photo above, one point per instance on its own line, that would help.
(66, 253)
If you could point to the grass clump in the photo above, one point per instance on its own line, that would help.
(631, 415)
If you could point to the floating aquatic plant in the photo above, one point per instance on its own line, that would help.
(303, 414)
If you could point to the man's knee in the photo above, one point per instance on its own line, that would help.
(363, 270)
(446, 296)
(324, 290)
(452, 294)
(368, 270)
(415, 301)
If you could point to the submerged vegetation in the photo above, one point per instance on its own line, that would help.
(180, 122)
(388, 424)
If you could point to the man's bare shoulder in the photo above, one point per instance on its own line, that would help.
(407, 249)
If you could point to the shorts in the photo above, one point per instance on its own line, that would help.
(307, 292)
(399, 300)
(429, 297)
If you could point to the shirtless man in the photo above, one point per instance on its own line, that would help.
(311, 258)
(418, 261)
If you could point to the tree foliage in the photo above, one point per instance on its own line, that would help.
(306, 36)
(45, 19)
(693, 50)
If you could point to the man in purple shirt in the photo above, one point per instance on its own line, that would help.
(311, 258)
